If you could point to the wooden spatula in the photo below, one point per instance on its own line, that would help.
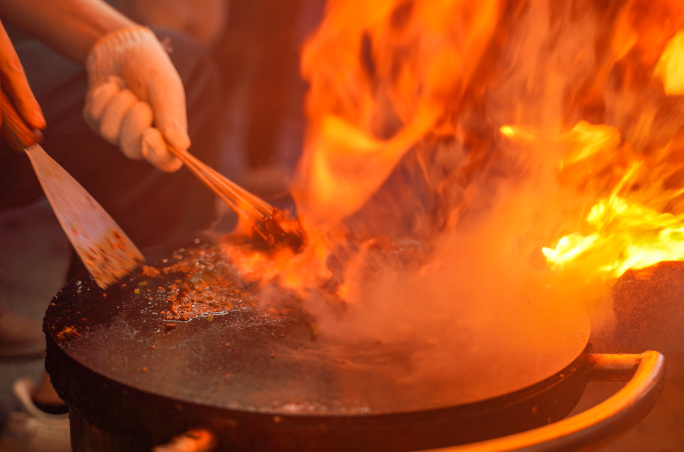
(104, 248)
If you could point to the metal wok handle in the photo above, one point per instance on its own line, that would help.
(595, 426)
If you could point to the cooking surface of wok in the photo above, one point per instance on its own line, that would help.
(264, 360)
(250, 361)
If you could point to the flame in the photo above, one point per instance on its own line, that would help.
(633, 231)
(633, 222)
(383, 76)
(292, 270)
(632, 228)
(535, 137)
(670, 68)
(627, 236)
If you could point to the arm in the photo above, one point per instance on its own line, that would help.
(71, 27)
(135, 97)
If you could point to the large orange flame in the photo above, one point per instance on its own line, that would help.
(639, 224)
(383, 75)
(552, 133)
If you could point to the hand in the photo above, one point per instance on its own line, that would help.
(13, 82)
(136, 99)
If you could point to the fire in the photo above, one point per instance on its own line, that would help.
(627, 236)
(291, 269)
(627, 232)
(383, 76)
(670, 68)
(634, 221)
(544, 138)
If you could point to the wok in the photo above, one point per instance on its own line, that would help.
(259, 381)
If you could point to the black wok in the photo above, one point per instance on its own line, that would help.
(259, 381)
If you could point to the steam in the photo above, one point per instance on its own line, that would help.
(483, 276)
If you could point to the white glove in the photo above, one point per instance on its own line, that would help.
(133, 87)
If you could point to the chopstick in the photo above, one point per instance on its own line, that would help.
(244, 203)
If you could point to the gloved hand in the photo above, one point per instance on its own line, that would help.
(135, 98)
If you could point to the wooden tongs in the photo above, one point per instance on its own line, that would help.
(269, 223)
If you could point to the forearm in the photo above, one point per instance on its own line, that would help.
(71, 27)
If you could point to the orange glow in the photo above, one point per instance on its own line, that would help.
(670, 67)
(413, 60)
(293, 271)
(428, 121)
(588, 142)
(626, 236)
(644, 26)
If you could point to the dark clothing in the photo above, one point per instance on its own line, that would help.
(152, 207)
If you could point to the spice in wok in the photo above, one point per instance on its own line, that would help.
(199, 282)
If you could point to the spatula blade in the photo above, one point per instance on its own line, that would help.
(104, 248)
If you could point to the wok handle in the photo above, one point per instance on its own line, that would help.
(596, 426)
